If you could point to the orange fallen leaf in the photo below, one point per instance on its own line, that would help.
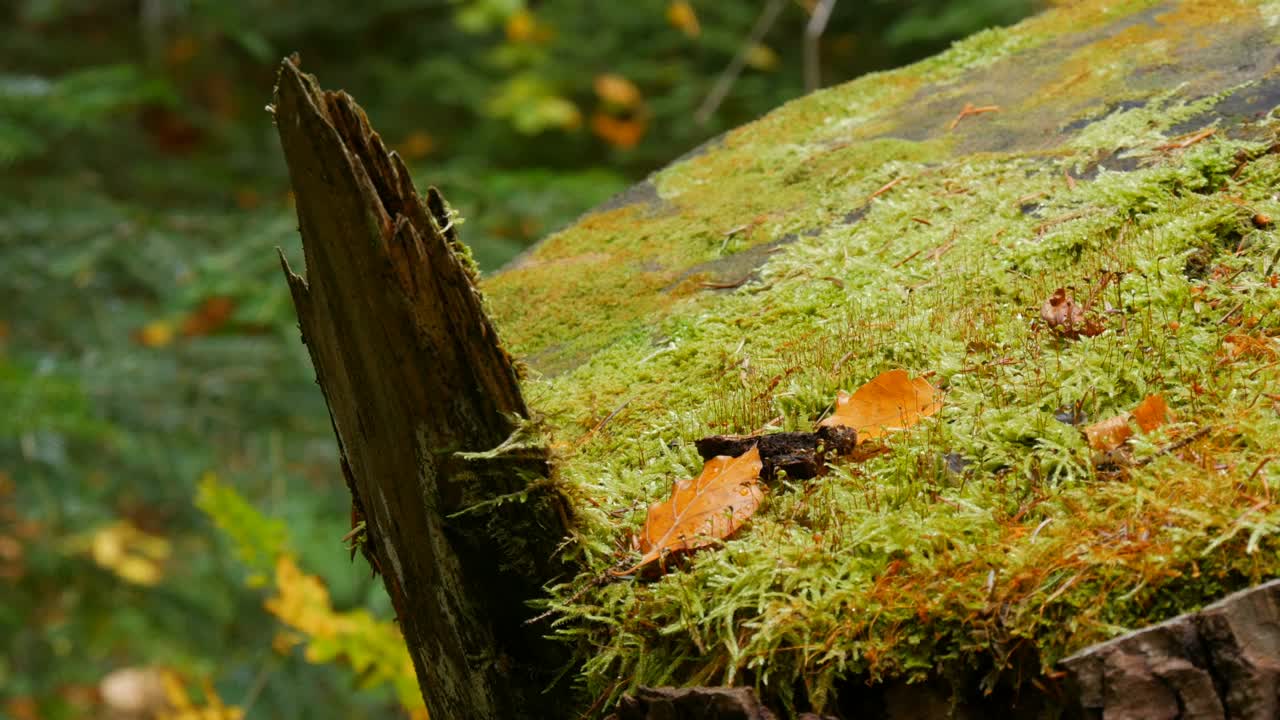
(1151, 413)
(1066, 318)
(702, 510)
(1237, 345)
(182, 50)
(247, 198)
(1107, 435)
(417, 145)
(22, 707)
(213, 313)
(618, 132)
(890, 401)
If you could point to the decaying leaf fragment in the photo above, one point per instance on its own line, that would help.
(1237, 345)
(802, 455)
(1067, 318)
(890, 401)
(1110, 434)
(703, 510)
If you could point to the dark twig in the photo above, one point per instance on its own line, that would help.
(725, 82)
(1176, 445)
(812, 34)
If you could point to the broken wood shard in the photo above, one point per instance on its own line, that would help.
(426, 405)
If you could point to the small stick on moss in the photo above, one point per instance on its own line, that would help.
(1231, 312)
(1186, 141)
(886, 187)
(1030, 197)
(726, 285)
(1043, 524)
(1272, 265)
(1176, 445)
(605, 421)
(1266, 489)
(908, 258)
(595, 581)
(1042, 227)
(971, 109)
(942, 249)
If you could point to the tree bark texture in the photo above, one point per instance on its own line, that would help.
(432, 428)
(1221, 663)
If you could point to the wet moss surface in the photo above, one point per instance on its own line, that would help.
(1127, 154)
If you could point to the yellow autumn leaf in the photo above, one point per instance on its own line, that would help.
(761, 57)
(682, 17)
(132, 554)
(616, 90)
(284, 641)
(182, 707)
(522, 26)
(157, 333)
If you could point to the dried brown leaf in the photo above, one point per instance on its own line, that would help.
(1237, 345)
(1151, 413)
(1109, 434)
(703, 510)
(890, 401)
(1064, 316)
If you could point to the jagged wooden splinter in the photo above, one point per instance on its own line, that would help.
(420, 392)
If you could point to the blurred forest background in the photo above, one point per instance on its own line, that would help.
(171, 511)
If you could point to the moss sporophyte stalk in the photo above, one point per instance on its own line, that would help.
(853, 232)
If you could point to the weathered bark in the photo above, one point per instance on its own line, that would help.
(1221, 662)
(427, 409)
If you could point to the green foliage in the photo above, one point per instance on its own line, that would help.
(36, 112)
(374, 649)
(44, 402)
(258, 539)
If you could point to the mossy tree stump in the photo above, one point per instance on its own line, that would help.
(431, 424)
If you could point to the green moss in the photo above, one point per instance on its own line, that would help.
(986, 535)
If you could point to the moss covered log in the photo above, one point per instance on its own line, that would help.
(1122, 150)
